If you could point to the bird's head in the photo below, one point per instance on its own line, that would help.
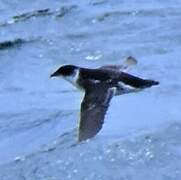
(68, 72)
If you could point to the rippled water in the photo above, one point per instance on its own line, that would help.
(38, 116)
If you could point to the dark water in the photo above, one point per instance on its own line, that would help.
(38, 116)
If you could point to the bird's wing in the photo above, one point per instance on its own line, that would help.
(113, 67)
(135, 81)
(125, 66)
(93, 109)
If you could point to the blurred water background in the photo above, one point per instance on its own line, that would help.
(141, 138)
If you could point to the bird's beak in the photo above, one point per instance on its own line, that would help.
(53, 75)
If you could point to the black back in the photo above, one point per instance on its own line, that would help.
(117, 76)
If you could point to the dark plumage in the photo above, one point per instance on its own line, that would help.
(99, 85)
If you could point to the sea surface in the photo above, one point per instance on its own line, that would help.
(141, 137)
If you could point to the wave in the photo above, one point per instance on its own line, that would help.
(60, 12)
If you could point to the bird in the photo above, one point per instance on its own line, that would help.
(99, 86)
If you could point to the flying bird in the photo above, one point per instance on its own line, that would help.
(99, 86)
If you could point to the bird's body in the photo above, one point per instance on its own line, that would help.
(99, 85)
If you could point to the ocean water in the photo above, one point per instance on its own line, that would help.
(38, 116)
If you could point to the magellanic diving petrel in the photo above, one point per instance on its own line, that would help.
(99, 85)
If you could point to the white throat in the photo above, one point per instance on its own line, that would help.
(73, 78)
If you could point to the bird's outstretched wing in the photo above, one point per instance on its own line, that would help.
(136, 82)
(125, 66)
(93, 109)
